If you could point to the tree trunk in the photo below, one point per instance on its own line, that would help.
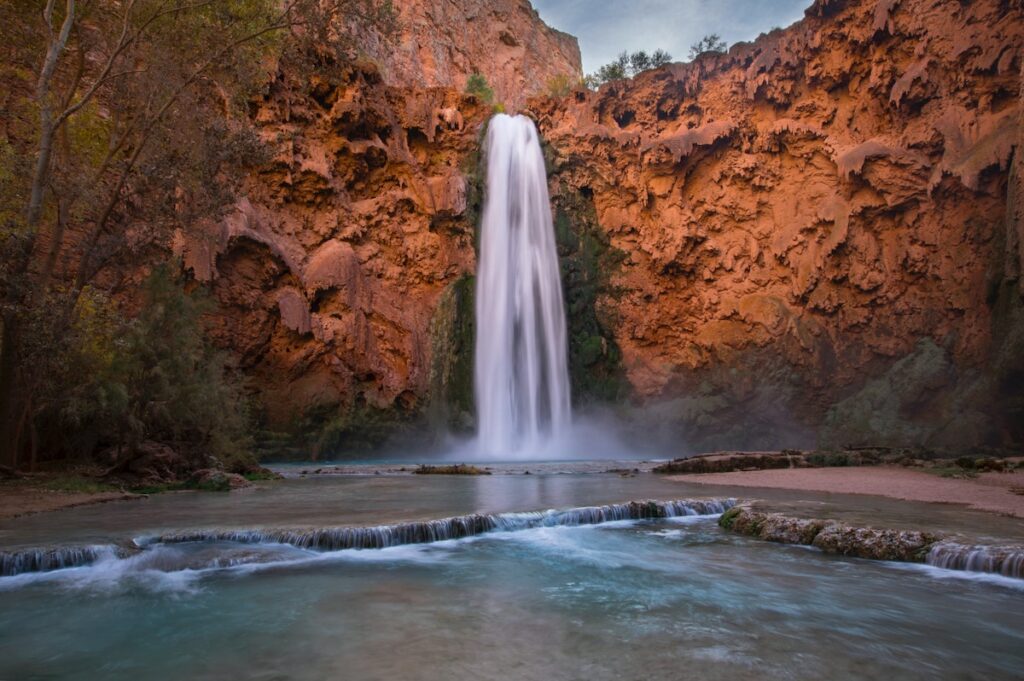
(9, 395)
(33, 437)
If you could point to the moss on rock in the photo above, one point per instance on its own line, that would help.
(452, 337)
(587, 260)
(456, 469)
(829, 535)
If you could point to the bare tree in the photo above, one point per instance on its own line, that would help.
(627, 65)
(133, 111)
(709, 43)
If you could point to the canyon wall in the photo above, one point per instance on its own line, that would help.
(442, 42)
(329, 269)
(814, 228)
(805, 239)
(359, 231)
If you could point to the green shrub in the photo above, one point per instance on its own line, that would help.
(627, 65)
(560, 86)
(155, 377)
(478, 86)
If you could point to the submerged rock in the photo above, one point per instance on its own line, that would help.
(726, 462)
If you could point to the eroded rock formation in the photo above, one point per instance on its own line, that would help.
(814, 226)
(341, 273)
(814, 237)
(443, 42)
(329, 269)
(912, 546)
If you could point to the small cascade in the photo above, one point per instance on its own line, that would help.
(1007, 561)
(378, 537)
(57, 558)
(522, 375)
(457, 527)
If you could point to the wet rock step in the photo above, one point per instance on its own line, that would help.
(910, 546)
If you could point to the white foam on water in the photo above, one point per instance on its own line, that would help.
(941, 573)
(175, 562)
(584, 544)
(110, 575)
(668, 534)
(692, 519)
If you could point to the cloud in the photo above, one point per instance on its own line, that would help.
(605, 29)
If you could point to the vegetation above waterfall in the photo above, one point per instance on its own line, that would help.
(712, 43)
(627, 65)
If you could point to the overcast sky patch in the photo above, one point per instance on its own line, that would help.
(607, 28)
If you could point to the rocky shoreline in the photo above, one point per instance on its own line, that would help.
(963, 465)
(909, 546)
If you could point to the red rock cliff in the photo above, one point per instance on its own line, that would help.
(808, 237)
(443, 42)
(814, 224)
(333, 264)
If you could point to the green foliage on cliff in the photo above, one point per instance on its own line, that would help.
(561, 85)
(478, 86)
(709, 43)
(452, 339)
(358, 430)
(179, 387)
(95, 176)
(627, 65)
(154, 377)
(911, 404)
(335, 430)
(587, 259)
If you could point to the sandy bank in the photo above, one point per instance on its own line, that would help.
(995, 492)
(19, 499)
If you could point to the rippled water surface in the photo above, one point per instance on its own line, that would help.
(665, 599)
(369, 499)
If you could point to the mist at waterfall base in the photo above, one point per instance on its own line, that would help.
(524, 406)
(521, 369)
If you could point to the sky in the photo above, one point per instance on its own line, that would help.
(607, 27)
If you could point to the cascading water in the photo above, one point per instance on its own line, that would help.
(522, 377)
(146, 552)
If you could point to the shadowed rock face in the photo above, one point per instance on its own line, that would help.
(813, 237)
(815, 225)
(329, 269)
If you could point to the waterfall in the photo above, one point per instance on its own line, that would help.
(522, 377)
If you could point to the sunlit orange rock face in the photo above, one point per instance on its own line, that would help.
(800, 215)
(813, 234)
(329, 269)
